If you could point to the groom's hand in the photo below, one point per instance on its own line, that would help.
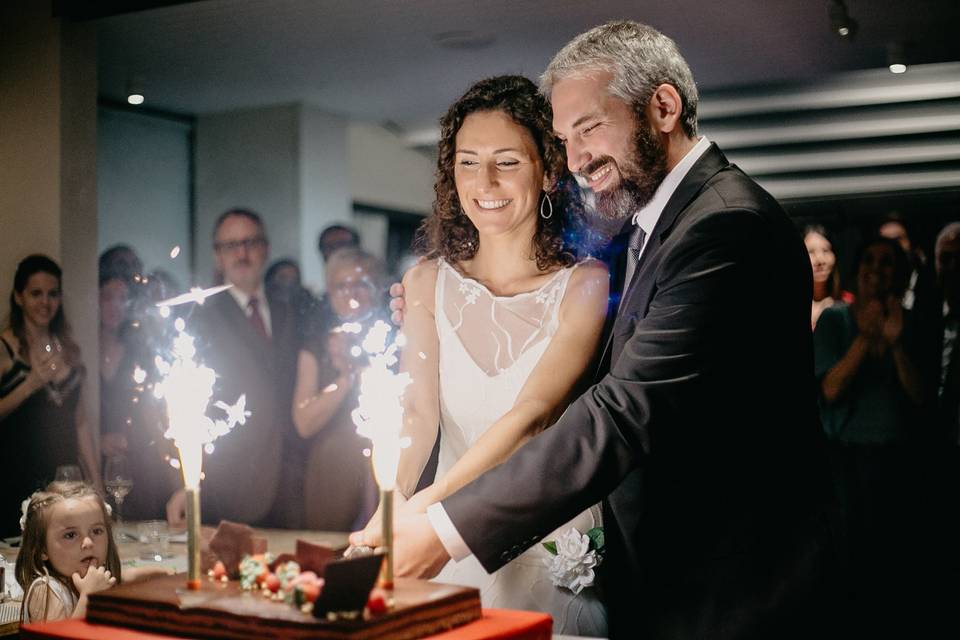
(396, 303)
(417, 551)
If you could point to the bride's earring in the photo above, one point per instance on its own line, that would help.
(546, 200)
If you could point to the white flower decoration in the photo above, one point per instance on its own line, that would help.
(470, 292)
(23, 513)
(25, 506)
(547, 296)
(572, 567)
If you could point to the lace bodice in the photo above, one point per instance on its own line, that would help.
(488, 346)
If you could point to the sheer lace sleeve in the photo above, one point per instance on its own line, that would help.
(421, 413)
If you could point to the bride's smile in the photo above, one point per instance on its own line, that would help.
(498, 172)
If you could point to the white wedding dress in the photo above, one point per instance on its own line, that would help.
(489, 345)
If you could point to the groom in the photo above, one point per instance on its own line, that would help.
(701, 433)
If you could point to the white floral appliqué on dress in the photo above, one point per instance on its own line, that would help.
(489, 345)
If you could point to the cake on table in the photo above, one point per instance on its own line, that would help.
(312, 593)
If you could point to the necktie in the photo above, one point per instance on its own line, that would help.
(633, 258)
(255, 318)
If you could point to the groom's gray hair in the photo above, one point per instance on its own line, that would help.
(640, 59)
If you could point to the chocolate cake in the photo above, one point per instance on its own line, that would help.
(223, 610)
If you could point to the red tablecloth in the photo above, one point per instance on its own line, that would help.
(496, 624)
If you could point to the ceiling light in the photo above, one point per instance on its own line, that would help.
(840, 21)
(896, 58)
(135, 89)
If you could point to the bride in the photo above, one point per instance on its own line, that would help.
(501, 324)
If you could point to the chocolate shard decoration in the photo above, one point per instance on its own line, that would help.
(230, 543)
(347, 584)
(314, 557)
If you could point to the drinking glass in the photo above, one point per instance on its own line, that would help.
(118, 482)
(68, 473)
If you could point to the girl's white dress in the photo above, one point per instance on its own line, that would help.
(56, 590)
(489, 345)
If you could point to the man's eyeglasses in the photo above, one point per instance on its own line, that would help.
(235, 245)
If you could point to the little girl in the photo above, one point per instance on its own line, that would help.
(67, 552)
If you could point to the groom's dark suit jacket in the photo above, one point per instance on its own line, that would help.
(251, 476)
(701, 433)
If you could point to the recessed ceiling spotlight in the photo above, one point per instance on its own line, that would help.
(135, 89)
(896, 57)
(840, 21)
(464, 39)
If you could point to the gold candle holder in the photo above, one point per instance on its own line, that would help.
(386, 504)
(193, 539)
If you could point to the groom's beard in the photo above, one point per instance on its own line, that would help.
(640, 175)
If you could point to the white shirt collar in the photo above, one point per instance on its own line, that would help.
(647, 217)
(243, 298)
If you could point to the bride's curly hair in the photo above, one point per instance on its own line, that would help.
(448, 232)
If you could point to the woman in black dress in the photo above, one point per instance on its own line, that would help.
(43, 419)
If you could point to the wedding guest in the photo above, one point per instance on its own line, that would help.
(826, 273)
(131, 420)
(920, 282)
(336, 236)
(283, 282)
(339, 490)
(43, 417)
(121, 260)
(322, 317)
(248, 337)
(67, 552)
(871, 391)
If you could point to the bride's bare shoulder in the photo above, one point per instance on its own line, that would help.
(590, 273)
(420, 282)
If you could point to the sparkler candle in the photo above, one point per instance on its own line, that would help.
(187, 387)
(379, 417)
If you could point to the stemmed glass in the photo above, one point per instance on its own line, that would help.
(68, 473)
(118, 482)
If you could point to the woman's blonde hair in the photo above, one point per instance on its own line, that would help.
(30, 563)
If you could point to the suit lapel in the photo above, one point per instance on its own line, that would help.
(618, 264)
(707, 166)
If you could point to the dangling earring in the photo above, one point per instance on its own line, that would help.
(546, 199)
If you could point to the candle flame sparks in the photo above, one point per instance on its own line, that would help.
(379, 414)
(187, 387)
(196, 294)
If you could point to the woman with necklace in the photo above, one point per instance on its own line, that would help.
(43, 419)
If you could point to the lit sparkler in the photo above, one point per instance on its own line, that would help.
(187, 387)
(379, 417)
(196, 294)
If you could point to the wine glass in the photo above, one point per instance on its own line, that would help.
(118, 482)
(68, 473)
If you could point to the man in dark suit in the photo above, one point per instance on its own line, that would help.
(701, 432)
(249, 338)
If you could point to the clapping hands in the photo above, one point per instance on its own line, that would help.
(880, 322)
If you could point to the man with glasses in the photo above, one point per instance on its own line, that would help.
(249, 338)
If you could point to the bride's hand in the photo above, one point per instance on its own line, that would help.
(417, 503)
(375, 525)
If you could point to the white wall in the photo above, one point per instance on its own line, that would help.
(248, 159)
(386, 173)
(143, 185)
(324, 186)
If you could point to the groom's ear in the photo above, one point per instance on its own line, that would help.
(664, 108)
